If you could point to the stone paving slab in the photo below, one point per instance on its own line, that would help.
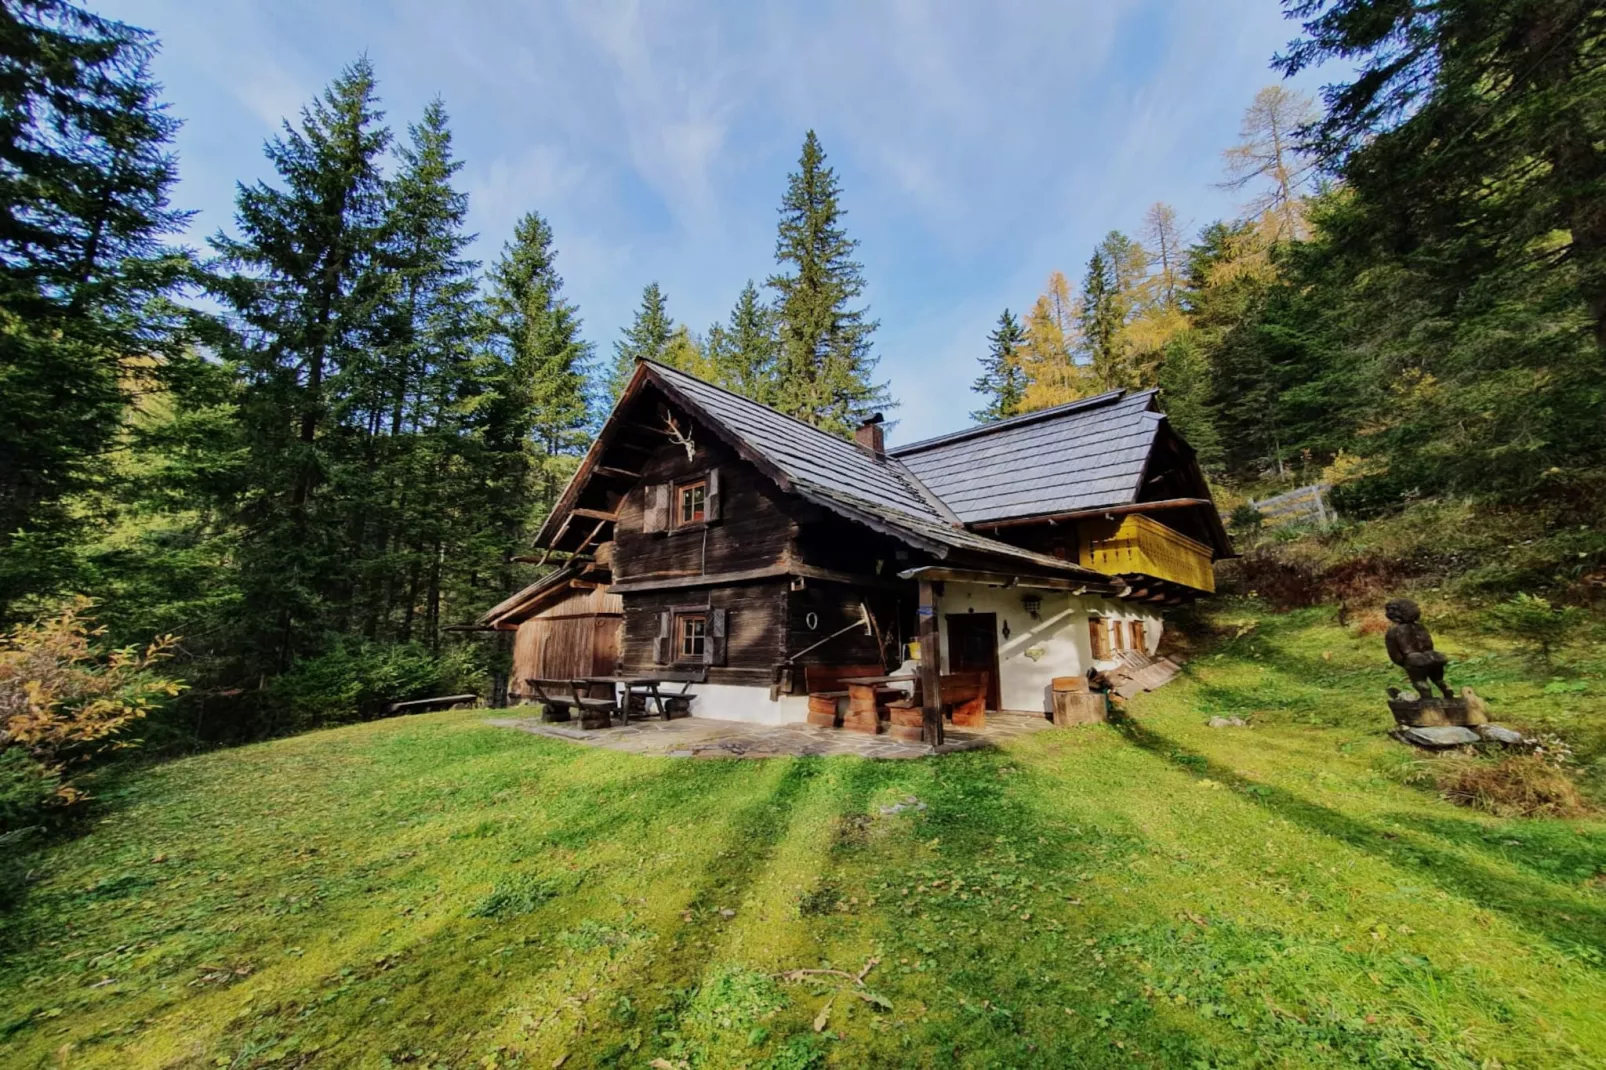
(701, 737)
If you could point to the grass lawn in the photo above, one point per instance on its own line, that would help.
(430, 891)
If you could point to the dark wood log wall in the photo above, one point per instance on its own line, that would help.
(753, 530)
(820, 608)
(755, 623)
(758, 528)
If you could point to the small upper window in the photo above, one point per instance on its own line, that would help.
(693, 637)
(691, 502)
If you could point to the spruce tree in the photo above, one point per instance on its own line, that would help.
(413, 493)
(85, 172)
(646, 338)
(306, 290)
(825, 366)
(1100, 320)
(543, 364)
(1003, 380)
(742, 352)
(1474, 131)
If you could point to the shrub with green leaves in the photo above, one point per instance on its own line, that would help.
(1536, 622)
(355, 682)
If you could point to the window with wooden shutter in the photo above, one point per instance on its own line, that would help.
(660, 648)
(691, 503)
(714, 649)
(691, 637)
(1099, 632)
(1140, 641)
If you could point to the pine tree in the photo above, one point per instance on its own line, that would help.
(1101, 320)
(1003, 380)
(743, 352)
(544, 361)
(308, 293)
(410, 497)
(85, 172)
(1474, 130)
(825, 365)
(645, 339)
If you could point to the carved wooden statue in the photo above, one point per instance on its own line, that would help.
(1411, 648)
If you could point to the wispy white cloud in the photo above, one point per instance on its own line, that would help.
(979, 146)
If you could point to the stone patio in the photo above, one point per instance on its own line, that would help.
(700, 737)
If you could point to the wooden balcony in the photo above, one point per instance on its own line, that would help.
(1137, 545)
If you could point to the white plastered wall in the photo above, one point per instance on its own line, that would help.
(1055, 643)
(742, 702)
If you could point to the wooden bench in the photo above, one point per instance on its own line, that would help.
(964, 698)
(439, 702)
(828, 697)
(557, 706)
(669, 703)
(964, 702)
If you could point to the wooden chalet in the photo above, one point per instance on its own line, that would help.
(705, 533)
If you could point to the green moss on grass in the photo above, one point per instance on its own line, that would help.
(438, 892)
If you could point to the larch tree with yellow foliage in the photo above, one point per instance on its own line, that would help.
(1047, 355)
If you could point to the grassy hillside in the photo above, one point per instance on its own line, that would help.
(435, 892)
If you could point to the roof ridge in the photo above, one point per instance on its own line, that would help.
(743, 397)
(1109, 397)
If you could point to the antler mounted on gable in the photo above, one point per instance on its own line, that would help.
(678, 435)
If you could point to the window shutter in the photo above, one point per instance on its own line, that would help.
(711, 501)
(649, 507)
(655, 507)
(714, 646)
(665, 506)
(660, 647)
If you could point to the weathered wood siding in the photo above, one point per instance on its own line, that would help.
(822, 608)
(754, 529)
(755, 622)
(576, 634)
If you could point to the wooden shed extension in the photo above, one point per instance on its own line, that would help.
(566, 626)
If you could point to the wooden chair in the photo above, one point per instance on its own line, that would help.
(556, 706)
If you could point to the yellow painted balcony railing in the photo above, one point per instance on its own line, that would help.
(1138, 545)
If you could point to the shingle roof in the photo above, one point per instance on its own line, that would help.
(1084, 455)
(840, 475)
(804, 452)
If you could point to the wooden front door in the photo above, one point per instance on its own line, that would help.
(973, 647)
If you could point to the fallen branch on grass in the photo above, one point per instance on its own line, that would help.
(858, 979)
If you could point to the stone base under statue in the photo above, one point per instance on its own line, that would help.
(1466, 712)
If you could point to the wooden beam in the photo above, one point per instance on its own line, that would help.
(594, 514)
(1082, 514)
(1103, 585)
(930, 668)
(786, 568)
(707, 579)
(622, 473)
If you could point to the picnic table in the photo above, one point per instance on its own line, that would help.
(598, 712)
(867, 699)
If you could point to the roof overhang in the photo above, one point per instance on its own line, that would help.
(1114, 587)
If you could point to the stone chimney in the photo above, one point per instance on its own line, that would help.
(870, 437)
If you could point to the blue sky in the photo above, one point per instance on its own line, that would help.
(979, 145)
